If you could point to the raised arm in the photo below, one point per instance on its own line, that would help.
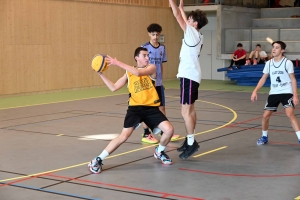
(182, 11)
(177, 14)
(149, 70)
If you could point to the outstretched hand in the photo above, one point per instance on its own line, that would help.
(111, 61)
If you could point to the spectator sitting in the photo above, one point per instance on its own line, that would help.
(238, 57)
(257, 56)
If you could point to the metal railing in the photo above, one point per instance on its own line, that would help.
(242, 3)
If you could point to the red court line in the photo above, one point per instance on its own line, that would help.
(273, 130)
(253, 119)
(242, 175)
(284, 143)
(163, 194)
(21, 180)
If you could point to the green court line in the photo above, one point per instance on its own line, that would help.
(52, 97)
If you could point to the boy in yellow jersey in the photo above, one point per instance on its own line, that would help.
(143, 106)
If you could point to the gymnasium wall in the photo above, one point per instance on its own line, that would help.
(47, 45)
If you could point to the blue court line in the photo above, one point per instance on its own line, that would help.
(50, 191)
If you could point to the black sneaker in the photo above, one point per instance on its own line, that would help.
(183, 146)
(190, 150)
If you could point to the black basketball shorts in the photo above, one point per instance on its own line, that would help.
(151, 116)
(188, 91)
(275, 99)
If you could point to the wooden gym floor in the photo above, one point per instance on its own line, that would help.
(45, 149)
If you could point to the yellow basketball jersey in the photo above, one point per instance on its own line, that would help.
(142, 91)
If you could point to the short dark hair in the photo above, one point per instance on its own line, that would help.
(198, 16)
(138, 50)
(282, 44)
(154, 28)
(258, 45)
(239, 45)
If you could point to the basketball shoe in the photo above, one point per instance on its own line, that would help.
(183, 146)
(262, 140)
(163, 157)
(95, 165)
(149, 139)
(190, 150)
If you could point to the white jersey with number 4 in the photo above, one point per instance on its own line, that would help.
(189, 66)
(279, 75)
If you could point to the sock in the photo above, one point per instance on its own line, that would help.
(146, 131)
(265, 133)
(298, 134)
(160, 148)
(191, 139)
(103, 155)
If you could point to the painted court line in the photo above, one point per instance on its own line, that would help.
(81, 164)
(62, 101)
(241, 175)
(73, 166)
(202, 154)
(18, 181)
(164, 194)
(51, 191)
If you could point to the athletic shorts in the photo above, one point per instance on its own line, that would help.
(274, 99)
(188, 91)
(151, 116)
(161, 94)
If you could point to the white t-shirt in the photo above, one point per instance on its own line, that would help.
(279, 75)
(189, 66)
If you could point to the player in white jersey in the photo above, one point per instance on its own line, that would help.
(283, 90)
(157, 56)
(189, 71)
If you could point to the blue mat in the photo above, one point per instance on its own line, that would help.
(251, 74)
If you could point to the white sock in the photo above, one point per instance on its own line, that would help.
(298, 134)
(103, 155)
(191, 139)
(265, 133)
(160, 148)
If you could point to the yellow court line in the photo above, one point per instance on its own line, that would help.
(73, 166)
(232, 120)
(60, 135)
(202, 154)
(61, 101)
(216, 90)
